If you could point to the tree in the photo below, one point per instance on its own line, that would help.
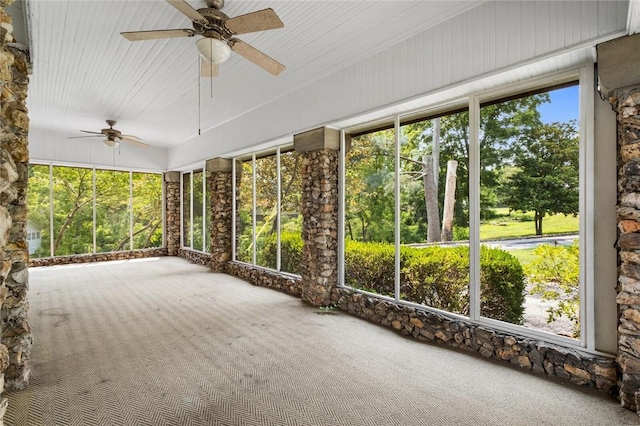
(546, 175)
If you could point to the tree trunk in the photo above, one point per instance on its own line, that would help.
(65, 225)
(449, 201)
(431, 200)
(436, 151)
(538, 220)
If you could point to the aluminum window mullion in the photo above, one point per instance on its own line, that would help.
(253, 207)
(93, 196)
(396, 206)
(278, 206)
(474, 208)
(341, 202)
(233, 210)
(130, 210)
(51, 230)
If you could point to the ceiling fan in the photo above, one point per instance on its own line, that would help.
(218, 31)
(113, 136)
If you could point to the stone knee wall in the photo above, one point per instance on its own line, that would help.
(320, 225)
(265, 278)
(627, 107)
(16, 339)
(526, 353)
(98, 257)
(194, 256)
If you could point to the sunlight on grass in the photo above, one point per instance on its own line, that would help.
(522, 225)
(524, 256)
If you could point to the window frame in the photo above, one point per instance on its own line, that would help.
(584, 77)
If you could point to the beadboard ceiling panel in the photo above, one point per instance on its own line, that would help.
(84, 72)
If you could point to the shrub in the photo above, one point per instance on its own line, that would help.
(555, 275)
(290, 252)
(370, 266)
(502, 285)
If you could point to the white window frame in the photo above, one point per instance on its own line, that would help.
(584, 76)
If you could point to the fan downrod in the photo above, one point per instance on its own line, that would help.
(215, 4)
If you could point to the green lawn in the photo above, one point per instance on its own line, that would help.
(524, 256)
(513, 225)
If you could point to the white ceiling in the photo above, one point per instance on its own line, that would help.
(84, 72)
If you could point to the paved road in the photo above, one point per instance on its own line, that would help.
(528, 243)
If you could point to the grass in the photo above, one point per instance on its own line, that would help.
(524, 256)
(507, 225)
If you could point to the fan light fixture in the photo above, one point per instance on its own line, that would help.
(111, 143)
(213, 50)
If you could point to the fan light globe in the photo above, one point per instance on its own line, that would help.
(111, 143)
(213, 50)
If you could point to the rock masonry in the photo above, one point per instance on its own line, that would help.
(220, 188)
(319, 225)
(98, 257)
(16, 338)
(172, 213)
(627, 107)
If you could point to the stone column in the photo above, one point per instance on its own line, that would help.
(618, 62)
(16, 336)
(172, 212)
(319, 149)
(220, 187)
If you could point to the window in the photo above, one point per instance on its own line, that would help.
(268, 229)
(89, 211)
(195, 211)
(475, 210)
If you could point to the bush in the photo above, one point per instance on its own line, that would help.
(290, 252)
(439, 277)
(502, 285)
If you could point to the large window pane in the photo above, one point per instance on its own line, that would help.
(197, 211)
(38, 219)
(147, 210)
(529, 175)
(266, 211)
(369, 213)
(72, 210)
(112, 211)
(291, 212)
(244, 212)
(186, 209)
(434, 216)
(207, 215)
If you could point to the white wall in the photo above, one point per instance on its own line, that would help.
(492, 38)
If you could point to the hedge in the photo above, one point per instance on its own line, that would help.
(435, 276)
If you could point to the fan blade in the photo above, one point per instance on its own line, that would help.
(261, 20)
(94, 133)
(208, 69)
(135, 138)
(256, 56)
(186, 9)
(83, 137)
(139, 143)
(156, 34)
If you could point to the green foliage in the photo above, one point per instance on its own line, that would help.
(290, 252)
(439, 277)
(502, 285)
(555, 275)
(546, 175)
(73, 209)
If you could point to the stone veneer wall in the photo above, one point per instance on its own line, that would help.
(526, 353)
(193, 256)
(265, 278)
(16, 339)
(627, 107)
(172, 212)
(220, 192)
(98, 257)
(319, 225)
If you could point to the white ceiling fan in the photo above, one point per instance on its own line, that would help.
(112, 136)
(218, 31)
